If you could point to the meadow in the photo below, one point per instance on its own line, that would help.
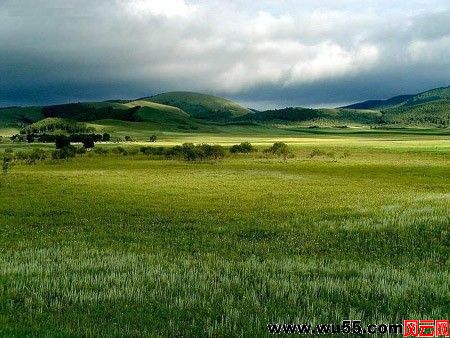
(138, 246)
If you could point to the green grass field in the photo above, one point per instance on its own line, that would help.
(134, 246)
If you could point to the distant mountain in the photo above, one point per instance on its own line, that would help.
(442, 93)
(201, 106)
(380, 104)
(431, 107)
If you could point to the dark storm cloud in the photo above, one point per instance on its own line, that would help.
(274, 53)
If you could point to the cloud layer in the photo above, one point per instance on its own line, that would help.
(272, 53)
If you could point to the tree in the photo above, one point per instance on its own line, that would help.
(106, 137)
(88, 142)
(153, 138)
(30, 138)
(62, 141)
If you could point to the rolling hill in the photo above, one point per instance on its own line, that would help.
(380, 104)
(194, 112)
(201, 106)
(430, 108)
(436, 94)
(315, 116)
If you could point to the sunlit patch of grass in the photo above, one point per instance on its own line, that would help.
(135, 246)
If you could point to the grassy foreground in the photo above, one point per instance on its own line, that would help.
(130, 246)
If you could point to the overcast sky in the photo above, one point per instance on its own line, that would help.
(266, 53)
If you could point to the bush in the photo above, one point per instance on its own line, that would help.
(128, 138)
(202, 152)
(214, 152)
(36, 155)
(106, 137)
(88, 142)
(316, 152)
(125, 151)
(64, 153)
(244, 147)
(101, 151)
(6, 163)
(175, 152)
(119, 151)
(152, 150)
(30, 138)
(133, 151)
(279, 149)
(153, 138)
(62, 141)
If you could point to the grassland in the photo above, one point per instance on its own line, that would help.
(134, 246)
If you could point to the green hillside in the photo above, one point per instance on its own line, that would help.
(436, 94)
(429, 96)
(186, 112)
(56, 125)
(435, 113)
(16, 117)
(201, 106)
(430, 108)
(316, 116)
(380, 104)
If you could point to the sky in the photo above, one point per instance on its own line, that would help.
(264, 54)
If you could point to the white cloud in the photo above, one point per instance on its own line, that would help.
(220, 46)
(167, 8)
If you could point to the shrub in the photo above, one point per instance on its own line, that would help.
(133, 151)
(279, 149)
(191, 152)
(81, 150)
(152, 150)
(6, 163)
(106, 137)
(128, 138)
(88, 142)
(153, 138)
(21, 155)
(244, 147)
(202, 152)
(18, 138)
(30, 138)
(316, 152)
(125, 151)
(36, 155)
(175, 152)
(214, 152)
(119, 151)
(62, 141)
(64, 153)
(101, 151)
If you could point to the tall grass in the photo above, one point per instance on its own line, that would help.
(130, 246)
